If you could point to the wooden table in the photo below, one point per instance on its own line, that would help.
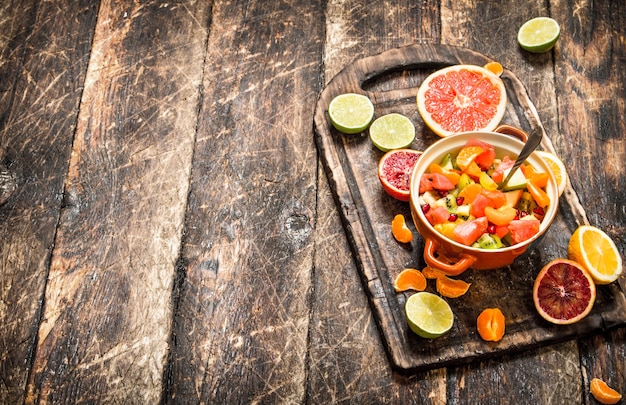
(168, 232)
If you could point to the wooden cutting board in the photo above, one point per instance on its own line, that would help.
(390, 80)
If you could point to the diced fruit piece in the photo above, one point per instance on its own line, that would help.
(468, 232)
(497, 197)
(563, 292)
(463, 211)
(487, 241)
(446, 229)
(596, 252)
(430, 181)
(526, 203)
(498, 173)
(490, 324)
(517, 180)
(485, 159)
(451, 288)
(399, 229)
(448, 202)
(487, 182)
(481, 201)
(410, 279)
(501, 216)
(447, 162)
(473, 170)
(523, 229)
(539, 179)
(451, 175)
(501, 231)
(469, 192)
(428, 315)
(541, 197)
(464, 180)
(437, 215)
(512, 197)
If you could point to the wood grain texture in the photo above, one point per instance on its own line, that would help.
(590, 90)
(348, 364)
(107, 314)
(41, 80)
(245, 280)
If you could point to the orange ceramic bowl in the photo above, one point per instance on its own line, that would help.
(450, 256)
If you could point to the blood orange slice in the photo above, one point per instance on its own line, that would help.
(394, 171)
(461, 98)
(564, 292)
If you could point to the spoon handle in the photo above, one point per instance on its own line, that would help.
(534, 139)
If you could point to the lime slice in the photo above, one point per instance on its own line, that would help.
(392, 131)
(539, 34)
(428, 315)
(351, 113)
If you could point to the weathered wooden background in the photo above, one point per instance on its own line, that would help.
(167, 232)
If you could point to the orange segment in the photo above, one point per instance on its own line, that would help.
(541, 197)
(501, 216)
(467, 155)
(451, 288)
(470, 192)
(399, 229)
(410, 279)
(603, 393)
(490, 324)
(454, 177)
(431, 273)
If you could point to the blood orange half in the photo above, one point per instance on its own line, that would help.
(564, 292)
(461, 98)
(394, 172)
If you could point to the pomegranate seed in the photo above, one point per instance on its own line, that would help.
(443, 193)
(453, 217)
(425, 208)
(491, 229)
(460, 200)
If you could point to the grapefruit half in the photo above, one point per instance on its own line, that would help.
(394, 172)
(461, 98)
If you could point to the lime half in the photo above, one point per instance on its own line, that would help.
(351, 113)
(392, 131)
(428, 315)
(539, 34)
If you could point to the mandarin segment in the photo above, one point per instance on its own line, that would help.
(451, 288)
(410, 279)
(603, 393)
(400, 230)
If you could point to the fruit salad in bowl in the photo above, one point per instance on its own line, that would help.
(467, 217)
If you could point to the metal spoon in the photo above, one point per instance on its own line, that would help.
(534, 139)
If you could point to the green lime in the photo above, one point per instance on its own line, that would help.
(392, 131)
(428, 315)
(351, 113)
(539, 34)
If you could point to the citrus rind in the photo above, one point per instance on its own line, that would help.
(467, 111)
(539, 34)
(351, 113)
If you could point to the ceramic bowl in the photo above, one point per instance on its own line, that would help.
(452, 257)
